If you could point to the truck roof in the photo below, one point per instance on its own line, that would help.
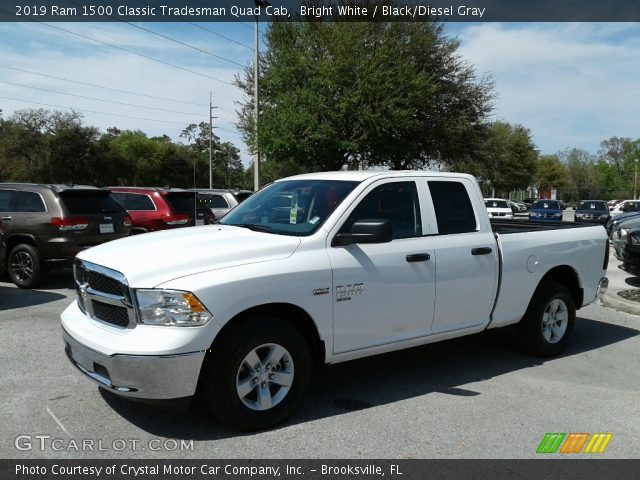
(361, 175)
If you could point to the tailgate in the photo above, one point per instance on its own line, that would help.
(104, 214)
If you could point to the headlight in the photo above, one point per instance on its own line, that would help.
(533, 214)
(559, 214)
(623, 233)
(635, 240)
(170, 307)
(579, 215)
(604, 217)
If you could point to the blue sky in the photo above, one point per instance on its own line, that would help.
(573, 85)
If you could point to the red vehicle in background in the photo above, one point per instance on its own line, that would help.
(155, 209)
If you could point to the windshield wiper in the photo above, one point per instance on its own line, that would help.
(256, 227)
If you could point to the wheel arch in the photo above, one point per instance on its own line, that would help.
(294, 315)
(13, 240)
(567, 276)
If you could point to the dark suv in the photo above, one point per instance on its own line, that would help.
(161, 208)
(47, 225)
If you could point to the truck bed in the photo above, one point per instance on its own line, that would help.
(505, 227)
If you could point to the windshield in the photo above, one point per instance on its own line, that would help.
(592, 206)
(546, 205)
(496, 204)
(290, 207)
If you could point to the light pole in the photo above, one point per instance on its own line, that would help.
(635, 181)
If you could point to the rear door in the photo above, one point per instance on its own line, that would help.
(22, 211)
(466, 260)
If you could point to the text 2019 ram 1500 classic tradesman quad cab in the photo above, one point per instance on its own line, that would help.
(320, 268)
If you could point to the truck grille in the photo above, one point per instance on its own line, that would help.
(111, 313)
(104, 294)
(102, 283)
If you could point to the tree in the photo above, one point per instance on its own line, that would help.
(508, 158)
(335, 93)
(550, 173)
(582, 175)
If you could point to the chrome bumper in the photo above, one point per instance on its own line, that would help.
(602, 288)
(140, 376)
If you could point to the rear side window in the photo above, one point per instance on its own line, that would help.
(5, 200)
(134, 201)
(454, 212)
(215, 201)
(80, 202)
(21, 202)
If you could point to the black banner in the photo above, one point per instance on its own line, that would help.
(320, 469)
(320, 10)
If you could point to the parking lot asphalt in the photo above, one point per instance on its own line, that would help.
(476, 397)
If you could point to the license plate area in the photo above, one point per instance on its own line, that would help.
(106, 228)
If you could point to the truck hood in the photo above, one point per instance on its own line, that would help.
(150, 259)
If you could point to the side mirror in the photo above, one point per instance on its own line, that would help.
(375, 230)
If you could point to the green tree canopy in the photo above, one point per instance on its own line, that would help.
(550, 173)
(507, 158)
(392, 94)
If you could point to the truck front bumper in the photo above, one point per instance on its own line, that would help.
(153, 377)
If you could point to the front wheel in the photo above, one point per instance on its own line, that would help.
(257, 376)
(549, 320)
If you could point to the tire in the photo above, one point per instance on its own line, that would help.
(238, 378)
(548, 323)
(23, 265)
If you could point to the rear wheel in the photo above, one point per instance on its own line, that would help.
(549, 320)
(23, 265)
(257, 376)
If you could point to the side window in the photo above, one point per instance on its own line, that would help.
(27, 202)
(454, 212)
(136, 201)
(5, 199)
(218, 201)
(396, 202)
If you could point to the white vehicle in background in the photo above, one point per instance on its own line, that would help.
(498, 208)
(626, 206)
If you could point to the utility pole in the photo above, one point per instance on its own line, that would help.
(256, 154)
(211, 117)
(635, 182)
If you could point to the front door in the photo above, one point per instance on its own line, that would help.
(383, 293)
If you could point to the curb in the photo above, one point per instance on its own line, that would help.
(616, 302)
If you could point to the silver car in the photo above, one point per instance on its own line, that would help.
(221, 201)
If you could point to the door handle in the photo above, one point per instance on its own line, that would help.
(418, 257)
(481, 251)
(6, 218)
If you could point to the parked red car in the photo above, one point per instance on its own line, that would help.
(160, 208)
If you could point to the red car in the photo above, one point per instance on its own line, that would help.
(155, 209)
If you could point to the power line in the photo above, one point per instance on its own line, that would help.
(102, 86)
(138, 54)
(220, 35)
(97, 99)
(91, 111)
(184, 44)
(204, 28)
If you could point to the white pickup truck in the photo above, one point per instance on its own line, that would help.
(314, 269)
